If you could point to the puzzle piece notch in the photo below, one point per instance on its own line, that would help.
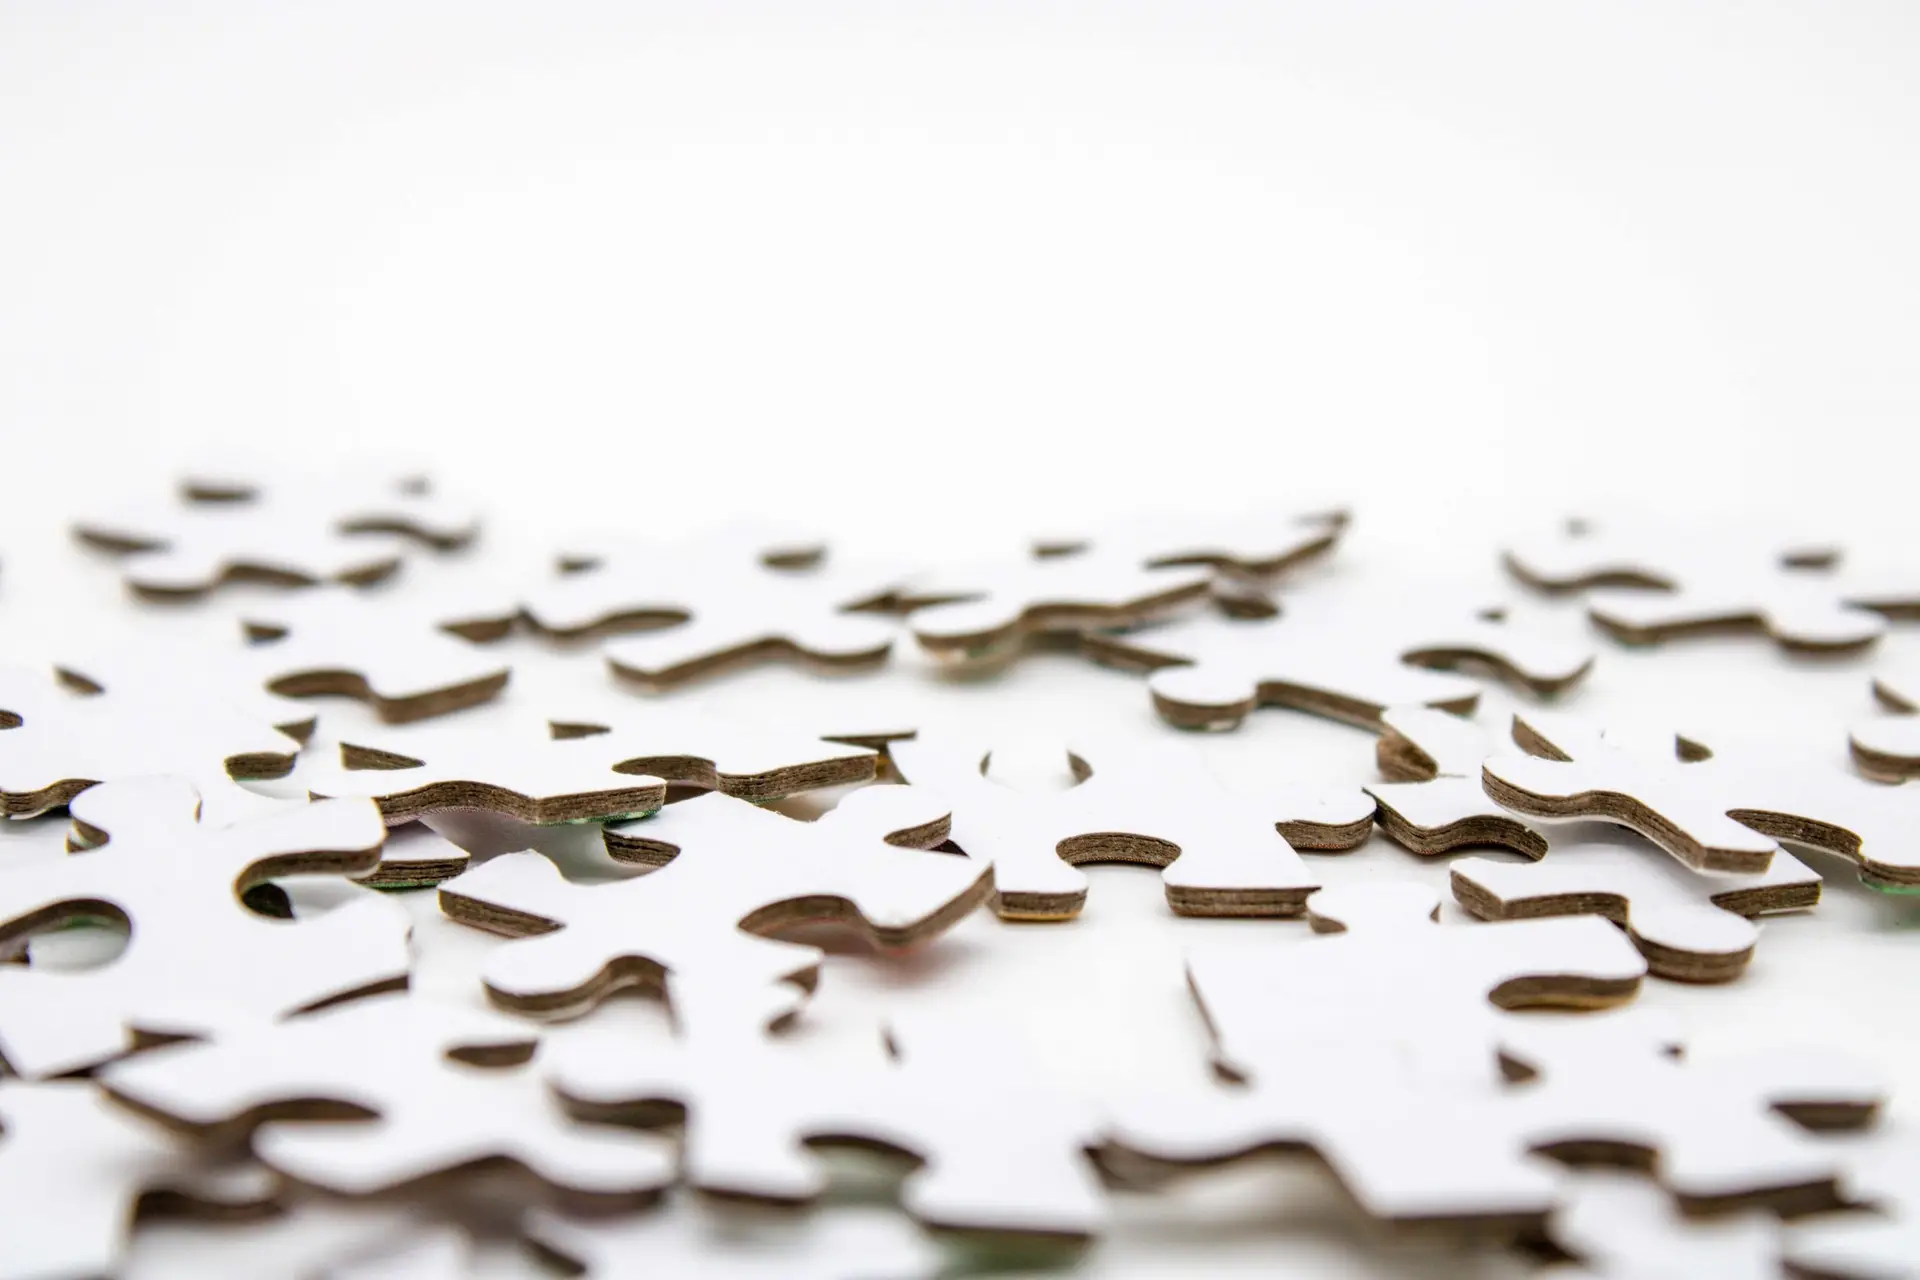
(75, 1171)
(752, 762)
(197, 961)
(1437, 804)
(1003, 1150)
(1347, 656)
(439, 1091)
(57, 744)
(1887, 749)
(1716, 809)
(728, 873)
(1220, 854)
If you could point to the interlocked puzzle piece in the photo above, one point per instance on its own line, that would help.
(55, 744)
(1882, 1244)
(305, 531)
(446, 1091)
(1625, 1228)
(734, 1243)
(1347, 655)
(731, 873)
(1246, 556)
(1436, 803)
(1794, 594)
(1888, 748)
(521, 770)
(1691, 926)
(1221, 854)
(751, 761)
(409, 657)
(986, 614)
(75, 1170)
(1004, 1150)
(197, 961)
(1715, 811)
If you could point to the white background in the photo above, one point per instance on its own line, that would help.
(924, 277)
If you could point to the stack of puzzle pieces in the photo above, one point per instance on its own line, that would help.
(339, 850)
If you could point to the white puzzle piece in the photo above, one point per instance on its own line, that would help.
(520, 769)
(414, 857)
(1347, 655)
(187, 673)
(734, 1243)
(74, 1170)
(1719, 810)
(370, 496)
(1680, 587)
(730, 548)
(1221, 854)
(1436, 803)
(403, 654)
(732, 872)
(1252, 550)
(984, 614)
(409, 1064)
(1004, 1149)
(1888, 748)
(59, 743)
(1622, 1227)
(693, 748)
(433, 1253)
(1690, 925)
(1881, 1243)
(197, 962)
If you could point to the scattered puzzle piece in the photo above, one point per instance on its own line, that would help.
(1882, 1244)
(521, 770)
(753, 762)
(437, 1083)
(197, 962)
(731, 872)
(1246, 556)
(57, 744)
(1004, 1150)
(1437, 803)
(1888, 748)
(300, 533)
(404, 655)
(1346, 655)
(1720, 811)
(1794, 594)
(186, 674)
(1221, 854)
(1691, 926)
(1625, 1228)
(74, 1172)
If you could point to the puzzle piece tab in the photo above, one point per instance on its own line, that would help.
(1221, 854)
(1436, 804)
(1888, 748)
(751, 761)
(728, 873)
(197, 961)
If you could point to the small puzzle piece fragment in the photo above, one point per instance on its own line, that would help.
(197, 961)
(753, 762)
(1882, 1243)
(1221, 854)
(1691, 926)
(1718, 810)
(1888, 748)
(444, 1090)
(403, 655)
(300, 533)
(1347, 655)
(76, 1170)
(689, 1238)
(985, 614)
(1436, 804)
(54, 744)
(1794, 594)
(521, 770)
(728, 872)
(1003, 1149)
(1623, 1227)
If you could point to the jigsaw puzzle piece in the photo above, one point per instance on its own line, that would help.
(1880, 1244)
(369, 497)
(1220, 854)
(1437, 804)
(186, 674)
(1623, 1227)
(751, 761)
(1888, 749)
(728, 873)
(439, 1090)
(197, 960)
(74, 1171)
(1259, 546)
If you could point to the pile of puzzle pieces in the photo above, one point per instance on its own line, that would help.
(264, 793)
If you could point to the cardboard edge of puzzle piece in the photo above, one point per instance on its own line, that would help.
(1435, 802)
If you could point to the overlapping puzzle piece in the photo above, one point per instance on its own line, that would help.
(728, 873)
(693, 748)
(1347, 655)
(434, 1091)
(1436, 803)
(1248, 556)
(1221, 854)
(197, 961)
